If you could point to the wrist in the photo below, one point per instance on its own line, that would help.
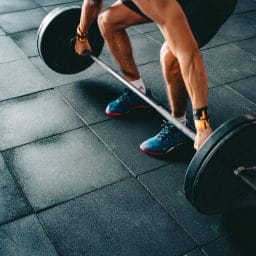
(201, 119)
(81, 35)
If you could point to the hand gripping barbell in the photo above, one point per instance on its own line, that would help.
(210, 182)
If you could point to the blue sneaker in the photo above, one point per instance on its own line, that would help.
(165, 141)
(126, 102)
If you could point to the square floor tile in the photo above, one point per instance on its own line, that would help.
(223, 246)
(245, 5)
(238, 27)
(25, 237)
(23, 20)
(52, 2)
(125, 135)
(90, 97)
(13, 202)
(34, 117)
(2, 33)
(7, 6)
(60, 168)
(27, 42)
(121, 219)
(246, 87)
(18, 78)
(56, 79)
(248, 45)
(166, 185)
(49, 8)
(9, 51)
(228, 63)
(225, 104)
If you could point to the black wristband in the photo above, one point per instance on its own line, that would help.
(201, 114)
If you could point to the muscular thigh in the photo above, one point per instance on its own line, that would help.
(122, 16)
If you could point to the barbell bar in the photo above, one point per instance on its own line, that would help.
(210, 182)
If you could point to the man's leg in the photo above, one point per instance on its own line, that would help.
(170, 137)
(113, 22)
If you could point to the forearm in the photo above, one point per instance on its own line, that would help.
(90, 11)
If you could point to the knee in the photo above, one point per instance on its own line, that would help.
(105, 22)
(168, 60)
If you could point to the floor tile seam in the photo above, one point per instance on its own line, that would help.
(10, 61)
(49, 5)
(25, 95)
(22, 10)
(43, 138)
(241, 95)
(168, 213)
(82, 195)
(17, 183)
(48, 235)
(217, 85)
(115, 155)
(243, 12)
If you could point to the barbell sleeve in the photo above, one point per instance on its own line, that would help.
(247, 175)
(153, 104)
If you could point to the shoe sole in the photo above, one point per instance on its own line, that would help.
(151, 153)
(116, 114)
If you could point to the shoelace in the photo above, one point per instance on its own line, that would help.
(127, 96)
(166, 130)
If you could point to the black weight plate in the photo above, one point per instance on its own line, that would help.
(55, 41)
(210, 183)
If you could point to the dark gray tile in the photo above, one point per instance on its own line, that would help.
(148, 27)
(250, 15)
(90, 97)
(51, 7)
(157, 36)
(34, 117)
(27, 42)
(246, 87)
(25, 237)
(125, 135)
(216, 41)
(2, 33)
(63, 167)
(228, 63)
(13, 203)
(248, 45)
(121, 219)
(225, 103)
(238, 27)
(222, 247)
(245, 5)
(16, 5)
(23, 20)
(197, 252)
(166, 185)
(18, 78)
(9, 51)
(56, 79)
(52, 2)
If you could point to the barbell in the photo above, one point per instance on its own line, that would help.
(221, 171)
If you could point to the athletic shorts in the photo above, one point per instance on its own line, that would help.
(205, 17)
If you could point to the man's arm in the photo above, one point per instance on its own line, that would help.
(90, 12)
(173, 24)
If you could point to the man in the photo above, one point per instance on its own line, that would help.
(186, 26)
